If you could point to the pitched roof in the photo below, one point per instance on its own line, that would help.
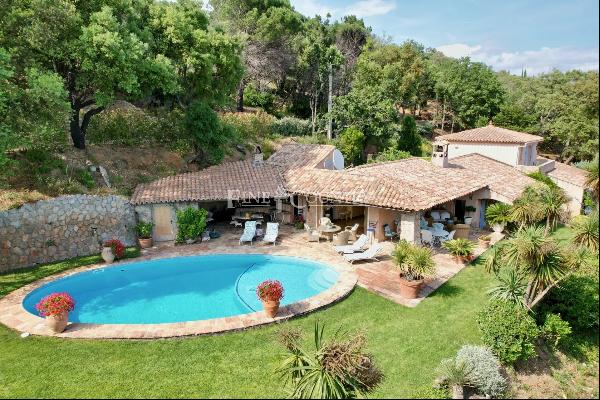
(491, 134)
(569, 174)
(232, 180)
(411, 184)
(497, 176)
(296, 155)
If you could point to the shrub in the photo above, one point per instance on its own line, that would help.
(86, 179)
(498, 213)
(256, 98)
(585, 230)
(540, 177)
(144, 229)
(118, 248)
(555, 329)
(55, 304)
(454, 374)
(209, 135)
(191, 223)
(249, 126)
(351, 143)
(508, 330)
(409, 139)
(485, 370)
(576, 300)
(459, 247)
(270, 291)
(390, 154)
(291, 126)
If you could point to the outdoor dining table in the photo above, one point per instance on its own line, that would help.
(437, 235)
(328, 231)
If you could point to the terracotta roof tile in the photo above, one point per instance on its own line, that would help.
(491, 134)
(291, 156)
(569, 174)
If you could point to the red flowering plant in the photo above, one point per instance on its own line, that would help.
(118, 248)
(270, 291)
(55, 304)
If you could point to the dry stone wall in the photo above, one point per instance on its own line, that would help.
(62, 228)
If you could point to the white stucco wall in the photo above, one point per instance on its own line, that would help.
(506, 153)
(575, 194)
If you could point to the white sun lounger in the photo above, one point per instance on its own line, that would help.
(271, 233)
(354, 247)
(368, 254)
(249, 232)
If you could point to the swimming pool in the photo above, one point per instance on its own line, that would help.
(182, 289)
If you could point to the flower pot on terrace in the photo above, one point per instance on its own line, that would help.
(57, 323)
(498, 228)
(145, 243)
(107, 255)
(410, 289)
(271, 308)
(468, 220)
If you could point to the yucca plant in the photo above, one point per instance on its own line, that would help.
(498, 214)
(338, 368)
(459, 248)
(455, 375)
(414, 262)
(585, 230)
(511, 287)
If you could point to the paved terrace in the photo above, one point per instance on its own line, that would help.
(380, 277)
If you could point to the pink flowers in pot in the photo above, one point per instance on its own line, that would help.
(270, 292)
(55, 304)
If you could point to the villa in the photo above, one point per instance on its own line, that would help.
(468, 171)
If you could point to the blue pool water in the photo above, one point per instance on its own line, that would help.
(183, 288)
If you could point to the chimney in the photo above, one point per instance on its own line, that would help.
(439, 156)
(258, 156)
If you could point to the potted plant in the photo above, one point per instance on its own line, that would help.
(497, 216)
(55, 308)
(270, 293)
(415, 264)
(469, 210)
(191, 223)
(461, 249)
(144, 231)
(112, 249)
(299, 222)
(484, 241)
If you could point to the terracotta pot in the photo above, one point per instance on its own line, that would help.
(271, 308)
(57, 323)
(410, 289)
(107, 255)
(145, 243)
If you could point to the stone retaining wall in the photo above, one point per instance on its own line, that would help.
(62, 228)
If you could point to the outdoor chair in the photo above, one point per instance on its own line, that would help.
(388, 233)
(325, 221)
(312, 235)
(235, 223)
(435, 215)
(368, 254)
(423, 223)
(353, 230)
(450, 236)
(354, 247)
(426, 237)
(445, 215)
(249, 232)
(341, 239)
(438, 226)
(271, 233)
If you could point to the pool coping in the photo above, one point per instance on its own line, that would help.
(14, 315)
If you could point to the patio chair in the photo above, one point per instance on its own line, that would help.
(312, 235)
(368, 254)
(450, 236)
(249, 232)
(271, 233)
(426, 237)
(354, 247)
(353, 229)
(423, 223)
(388, 233)
(435, 215)
(341, 239)
(235, 223)
(445, 215)
(325, 221)
(438, 226)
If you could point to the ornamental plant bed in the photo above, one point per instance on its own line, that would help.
(55, 308)
(270, 292)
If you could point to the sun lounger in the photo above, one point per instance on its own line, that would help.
(368, 254)
(271, 233)
(354, 247)
(249, 232)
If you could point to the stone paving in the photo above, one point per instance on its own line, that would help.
(379, 277)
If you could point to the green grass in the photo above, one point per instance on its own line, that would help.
(408, 344)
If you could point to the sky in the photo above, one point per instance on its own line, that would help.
(508, 35)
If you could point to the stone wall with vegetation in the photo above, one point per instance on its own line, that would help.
(62, 228)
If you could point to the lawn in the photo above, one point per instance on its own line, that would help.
(408, 345)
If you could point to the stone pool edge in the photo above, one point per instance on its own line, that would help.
(14, 315)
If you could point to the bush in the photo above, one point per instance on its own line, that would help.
(498, 213)
(459, 247)
(256, 98)
(484, 369)
(86, 179)
(555, 329)
(351, 143)
(508, 330)
(390, 154)
(414, 262)
(576, 300)
(249, 126)
(291, 126)
(409, 139)
(191, 223)
(144, 230)
(208, 133)
(132, 126)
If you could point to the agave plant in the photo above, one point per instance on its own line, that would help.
(585, 231)
(459, 247)
(338, 368)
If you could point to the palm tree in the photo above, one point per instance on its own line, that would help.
(526, 209)
(534, 254)
(510, 287)
(591, 180)
(552, 200)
